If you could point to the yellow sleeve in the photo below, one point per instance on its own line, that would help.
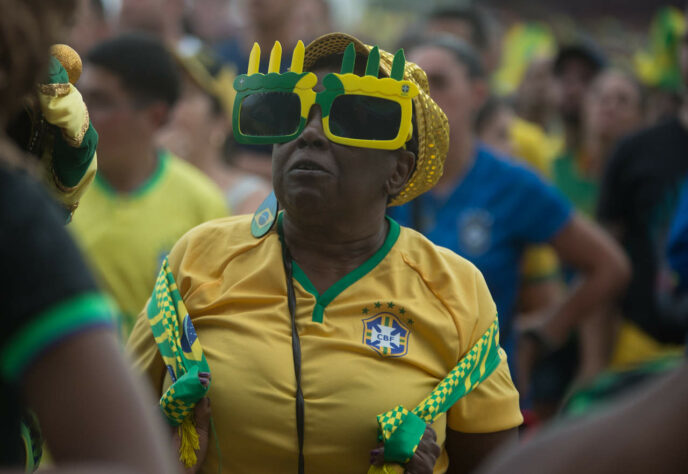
(71, 168)
(493, 405)
(65, 110)
(144, 354)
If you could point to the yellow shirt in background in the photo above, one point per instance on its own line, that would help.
(383, 335)
(126, 236)
(532, 145)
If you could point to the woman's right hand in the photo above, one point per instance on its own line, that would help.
(425, 457)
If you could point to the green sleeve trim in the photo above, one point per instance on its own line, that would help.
(49, 327)
(70, 164)
(321, 301)
(163, 158)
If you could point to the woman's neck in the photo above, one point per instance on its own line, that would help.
(594, 154)
(328, 252)
(127, 174)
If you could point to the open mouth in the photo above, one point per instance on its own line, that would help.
(306, 165)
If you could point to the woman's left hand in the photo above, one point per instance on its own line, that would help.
(202, 422)
(425, 457)
(423, 460)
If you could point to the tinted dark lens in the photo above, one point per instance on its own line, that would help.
(270, 114)
(365, 117)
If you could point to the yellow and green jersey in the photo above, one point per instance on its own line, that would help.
(382, 336)
(126, 236)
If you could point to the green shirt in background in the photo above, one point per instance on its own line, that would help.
(581, 190)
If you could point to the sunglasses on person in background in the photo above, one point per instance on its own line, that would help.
(361, 111)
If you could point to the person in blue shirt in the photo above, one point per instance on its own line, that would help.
(677, 246)
(489, 217)
(488, 209)
(673, 304)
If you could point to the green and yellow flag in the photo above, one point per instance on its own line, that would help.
(183, 356)
(658, 66)
(522, 43)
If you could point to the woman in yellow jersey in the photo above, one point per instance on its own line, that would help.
(337, 339)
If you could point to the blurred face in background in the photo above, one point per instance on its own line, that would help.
(152, 16)
(90, 27)
(196, 128)
(268, 13)
(489, 51)
(310, 19)
(457, 94)
(453, 26)
(612, 106)
(122, 122)
(573, 80)
(495, 131)
(538, 91)
(210, 19)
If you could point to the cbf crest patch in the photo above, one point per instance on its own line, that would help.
(385, 332)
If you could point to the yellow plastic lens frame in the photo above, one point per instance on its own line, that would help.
(401, 92)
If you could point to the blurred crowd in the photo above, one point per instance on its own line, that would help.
(566, 180)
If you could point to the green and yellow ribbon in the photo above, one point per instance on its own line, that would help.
(183, 356)
(658, 65)
(401, 430)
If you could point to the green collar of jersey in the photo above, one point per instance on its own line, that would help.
(321, 301)
(148, 185)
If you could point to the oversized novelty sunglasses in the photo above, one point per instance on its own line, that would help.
(361, 111)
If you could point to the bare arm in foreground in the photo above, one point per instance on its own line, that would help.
(93, 414)
(647, 432)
